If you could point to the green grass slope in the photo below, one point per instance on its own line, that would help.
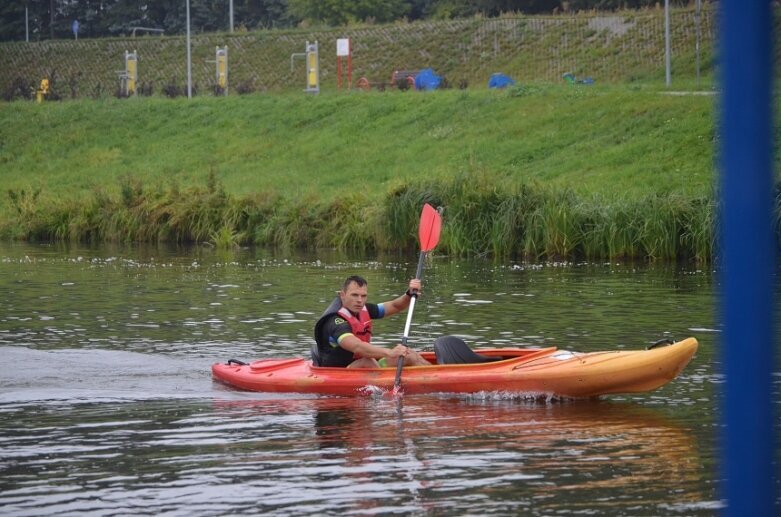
(557, 172)
(594, 139)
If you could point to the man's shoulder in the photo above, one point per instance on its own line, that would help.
(338, 319)
(335, 319)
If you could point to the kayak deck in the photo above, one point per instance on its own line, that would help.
(540, 371)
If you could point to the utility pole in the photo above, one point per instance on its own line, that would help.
(667, 78)
(189, 57)
(697, 44)
(230, 10)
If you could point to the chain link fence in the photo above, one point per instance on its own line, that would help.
(617, 47)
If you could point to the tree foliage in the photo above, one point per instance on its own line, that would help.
(100, 18)
(49, 19)
(342, 12)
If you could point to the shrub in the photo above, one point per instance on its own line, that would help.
(172, 89)
(246, 86)
(19, 87)
(73, 85)
(146, 89)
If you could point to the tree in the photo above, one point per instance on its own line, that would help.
(90, 14)
(490, 8)
(465, 8)
(100, 18)
(12, 23)
(343, 12)
(263, 14)
(12, 20)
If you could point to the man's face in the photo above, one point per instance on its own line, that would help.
(354, 297)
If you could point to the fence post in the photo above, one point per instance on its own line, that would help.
(667, 73)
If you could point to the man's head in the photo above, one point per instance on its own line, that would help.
(354, 293)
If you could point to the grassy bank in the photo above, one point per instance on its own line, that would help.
(537, 172)
(594, 139)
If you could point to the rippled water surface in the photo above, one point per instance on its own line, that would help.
(107, 405)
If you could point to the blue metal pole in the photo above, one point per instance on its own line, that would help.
(748, 256)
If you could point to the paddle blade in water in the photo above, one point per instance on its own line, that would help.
(430, 227)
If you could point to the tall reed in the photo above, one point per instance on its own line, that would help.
(484, 214)
(487, 215)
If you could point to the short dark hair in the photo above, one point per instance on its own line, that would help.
(361, 281)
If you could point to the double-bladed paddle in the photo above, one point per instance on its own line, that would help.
(428, 234)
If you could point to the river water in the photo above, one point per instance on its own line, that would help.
(107, 406)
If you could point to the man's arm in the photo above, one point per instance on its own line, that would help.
(402, 302)
(340, 331)
(353, 344)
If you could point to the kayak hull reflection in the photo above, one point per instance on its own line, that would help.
(546, 371)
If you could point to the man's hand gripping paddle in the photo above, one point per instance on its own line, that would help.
(428, 234)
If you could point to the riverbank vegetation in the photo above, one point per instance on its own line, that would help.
(483, 216)
(535, 172)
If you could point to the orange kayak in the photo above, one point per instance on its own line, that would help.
(548, 371)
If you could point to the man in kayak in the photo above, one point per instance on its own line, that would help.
(343, 333)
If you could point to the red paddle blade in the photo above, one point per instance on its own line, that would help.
(430, 227)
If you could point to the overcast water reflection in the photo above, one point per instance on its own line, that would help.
(107, 406)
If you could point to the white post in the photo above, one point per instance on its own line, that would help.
(189, 57)
(231, 14)
(697, 47)
(667, 79)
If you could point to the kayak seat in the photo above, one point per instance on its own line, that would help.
(453, 350)
(316, 359)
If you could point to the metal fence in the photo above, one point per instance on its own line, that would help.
(609, 47)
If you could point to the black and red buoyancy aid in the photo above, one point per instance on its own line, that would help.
(325, 353)
(361, 326)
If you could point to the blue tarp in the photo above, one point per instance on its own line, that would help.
(499, 80)
(427, 80)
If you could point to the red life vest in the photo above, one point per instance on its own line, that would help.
(361, 326)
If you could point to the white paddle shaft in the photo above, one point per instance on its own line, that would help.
(409, 319)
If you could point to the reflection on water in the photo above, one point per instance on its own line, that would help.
(423, 454)
(106, 404)
(507, 454)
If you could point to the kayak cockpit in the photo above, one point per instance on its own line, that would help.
(459, 356)
(452, 350)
